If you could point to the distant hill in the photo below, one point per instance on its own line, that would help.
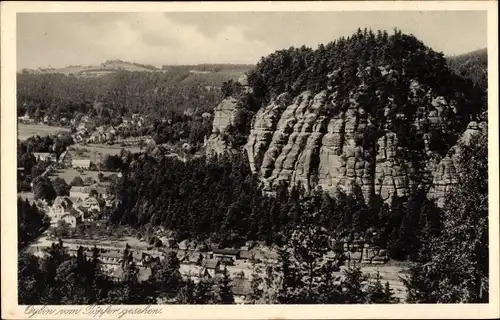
(110, 66)
(215, 74)
(472, 65)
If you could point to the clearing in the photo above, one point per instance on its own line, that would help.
(24, 131)
(69, 174)
(102, 149)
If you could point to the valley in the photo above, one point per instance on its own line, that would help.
(334, 175)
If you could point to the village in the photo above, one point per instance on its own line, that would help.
(88, 200)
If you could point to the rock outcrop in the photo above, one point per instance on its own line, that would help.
(224, 115)
(447, 173)
(311, 141)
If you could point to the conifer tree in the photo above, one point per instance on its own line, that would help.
(454, 268)
(225, 289)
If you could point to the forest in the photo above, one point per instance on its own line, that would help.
(302, 274)
(219, 199)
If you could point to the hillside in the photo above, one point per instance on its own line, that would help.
(472, 65)
(363, 131)
(121, 88)
(373, 114)
(214, 74)
(104, 68)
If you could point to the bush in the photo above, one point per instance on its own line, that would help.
(158, 243)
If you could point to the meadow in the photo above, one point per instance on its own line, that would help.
(24, 131)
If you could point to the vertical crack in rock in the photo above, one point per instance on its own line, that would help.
(320, 140)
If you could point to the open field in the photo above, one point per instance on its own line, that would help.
(69, 174)
(111, 149)
(103, 149)
(24, 131)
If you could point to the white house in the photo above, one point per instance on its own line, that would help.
(91, 204)
(81, 163)
(79, 192)
(42, 156)
(63, 209)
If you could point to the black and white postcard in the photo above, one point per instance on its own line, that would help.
(249, 160)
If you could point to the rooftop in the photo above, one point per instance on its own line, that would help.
(241, 286)
(211, 264)
(232, 252)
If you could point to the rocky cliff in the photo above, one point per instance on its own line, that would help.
(446, 173)
(372, 114)
(224, 116)
(309, 140)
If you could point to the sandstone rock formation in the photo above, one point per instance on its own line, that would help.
(447, 173)
(309, 140)
(224, 116)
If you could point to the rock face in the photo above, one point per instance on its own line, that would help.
(317, 141)
(224, 115)
(447, 174)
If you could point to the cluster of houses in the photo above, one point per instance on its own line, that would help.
(78, 207)
(64, 159)
(45, 156)
(108, 134)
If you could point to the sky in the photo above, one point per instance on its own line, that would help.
(62, 39)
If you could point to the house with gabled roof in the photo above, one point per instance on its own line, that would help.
(241, 288)
(211, 268)
(42, 156)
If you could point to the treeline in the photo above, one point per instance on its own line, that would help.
(378, 71)
(191, 129)
(297, 69)
(217, 67)
(112, 96)
(60, 279)
(31, 222)
(219, 199)
(473, 65)
(28, 164)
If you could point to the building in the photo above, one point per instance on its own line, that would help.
(76, 200)
(59, 208)
(112, 257)
(71, 219)
(82, 163)
(192, 272)
(191, 258)
(91, 204)
(167, 242)
(241, 288)
(63, 209)
(211, 268)
(246, 255)
(79, 192)
(42, 156)
(227, 256)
